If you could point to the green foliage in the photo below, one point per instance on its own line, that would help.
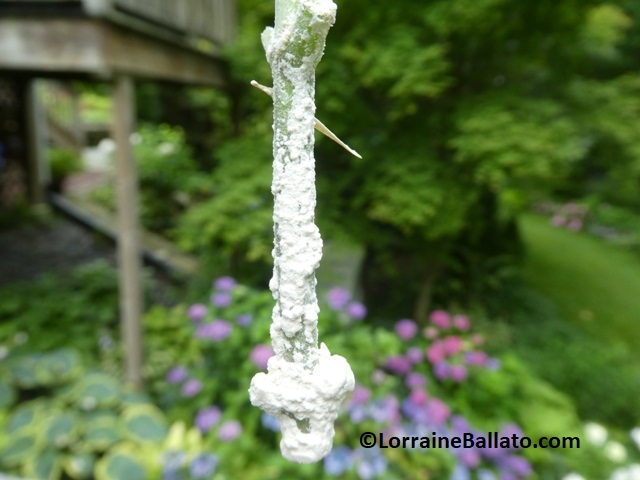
(63, 162)
(80, 426)
(74, 306)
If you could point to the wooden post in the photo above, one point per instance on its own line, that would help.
(128, 231)
(39, 174)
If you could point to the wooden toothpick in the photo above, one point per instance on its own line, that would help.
(321, 127)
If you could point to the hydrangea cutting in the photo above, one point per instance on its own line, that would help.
(305, 385)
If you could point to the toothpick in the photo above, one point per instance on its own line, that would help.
(321, 127)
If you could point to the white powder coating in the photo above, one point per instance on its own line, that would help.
(305, 385)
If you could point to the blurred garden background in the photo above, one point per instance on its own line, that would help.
(481, 268)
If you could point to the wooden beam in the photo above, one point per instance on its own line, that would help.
(128, 235)
(81, 46)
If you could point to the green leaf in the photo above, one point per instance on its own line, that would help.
(62, 429)
(119, 465)
(97, 390)
(145, 423)
(18, 450)
(80, 465)
(44, 465)
(23, 418)
(7, 395)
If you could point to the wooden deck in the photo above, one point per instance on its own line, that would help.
(168, 40)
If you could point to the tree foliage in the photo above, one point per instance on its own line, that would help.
(464, 110)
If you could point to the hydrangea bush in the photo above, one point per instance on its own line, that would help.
(412, 380)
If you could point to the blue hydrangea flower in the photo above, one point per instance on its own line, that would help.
(203, 466)
(370, 463)
(270, 422)
(338, 461)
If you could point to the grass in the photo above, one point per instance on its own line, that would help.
(594, 285)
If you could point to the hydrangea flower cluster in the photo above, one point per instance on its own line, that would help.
(340, 300)
(178, 466)
(444, 351)
(571, 216)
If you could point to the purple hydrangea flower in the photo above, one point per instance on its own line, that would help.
(203, 466)
(260, 355)
(356, 310)
(357, 413)
(244, 320)
(415, 380)
(493, 364)
(197, 312)
(361, 395)
(224, 284)
(338, 461)
(216, 330)
(177, 375)
(414, 355)
(191, 388)
(270, 422)
(460, 425)
(520, 466)
(469, 457)
(406, 329)
(398, 364)
(458, 373)
(476, 357)
(221, 299)
(385, 410)
(207, 418)
(440, 318)
(441, 370)
(229, 430)
(338, 298)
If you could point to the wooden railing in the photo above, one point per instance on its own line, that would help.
(213, 20)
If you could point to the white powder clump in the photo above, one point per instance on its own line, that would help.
(305, 403)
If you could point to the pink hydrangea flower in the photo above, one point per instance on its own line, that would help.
(406, 329)
(418, 397)
(461, 322)
(260, 355)
(438, 411)
(440, 318)
(436, 352)
(452, 344)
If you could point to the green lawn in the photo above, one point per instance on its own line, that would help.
(594, 285)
